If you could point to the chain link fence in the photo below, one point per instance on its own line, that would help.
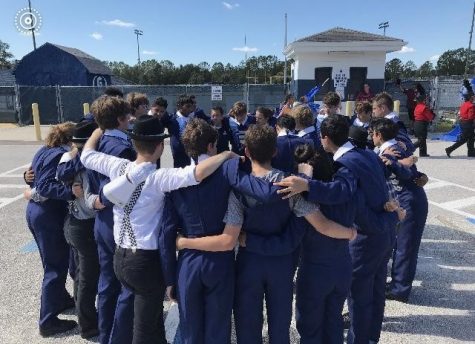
(65, 103)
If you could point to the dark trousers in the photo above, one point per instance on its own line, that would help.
(80, 235)
(205, 296)
(141, 273)
(408, 241)
(115, 305)
(370, 255)
(467, 136)
(46, 226)
(263, 277)
(321, 293)
(420, 131)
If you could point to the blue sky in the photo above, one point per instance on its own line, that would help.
(187, 31)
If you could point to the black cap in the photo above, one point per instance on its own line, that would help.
(147, 128)
(83, 130)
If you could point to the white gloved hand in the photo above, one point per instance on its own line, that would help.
(139, 172)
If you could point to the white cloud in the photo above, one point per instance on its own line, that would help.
(117, 22)
(149, 52)
(434, 58)
(246, 49)
(97, 36)
(405, 49)
(230, 6)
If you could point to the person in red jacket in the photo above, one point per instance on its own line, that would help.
(423, 115)
(467, 119)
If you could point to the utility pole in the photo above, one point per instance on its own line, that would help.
(247, 73)
(285, 61)
(138, 33)
(383, 26)
(467, 61)
(33, 23)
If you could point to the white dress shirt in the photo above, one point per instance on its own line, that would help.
(147, 212)
(342, 150)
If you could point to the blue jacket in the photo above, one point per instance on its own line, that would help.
(114, 146)
(226, 137)
(239, 131)
(44, 165)
(199, 210)
(284, 159)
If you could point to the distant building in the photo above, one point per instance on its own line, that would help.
(349, 58)
(53, 64)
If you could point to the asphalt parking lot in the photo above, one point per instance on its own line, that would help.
(441, 308)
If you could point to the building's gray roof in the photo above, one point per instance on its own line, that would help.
(93, 65)
(339, 34)
(7, 78)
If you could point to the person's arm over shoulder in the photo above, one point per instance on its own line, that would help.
(338, 191)
(48, 186)
(68, 167)
(244, 183)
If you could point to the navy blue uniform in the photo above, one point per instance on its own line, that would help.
(239, 130)
(370, 249)
(324, 277)
(115, 304)
(176, 125)
(226, 137)
(286, 144)
(45, 221)
(409, 235)
(312, 136)
(205, 280)
(265, 270)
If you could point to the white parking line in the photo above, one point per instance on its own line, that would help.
(13, 186)
(446, 183)
(6, 201)
(459, 203)
(7, 173)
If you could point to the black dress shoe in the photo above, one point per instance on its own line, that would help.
(56, 327)
(447, 151)
(93, 332)
(391, 296)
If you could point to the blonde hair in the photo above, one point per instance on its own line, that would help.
(303, 116)
(60, 134)
(238, 108)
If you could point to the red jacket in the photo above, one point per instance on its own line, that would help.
(467, 111)
(423, 113)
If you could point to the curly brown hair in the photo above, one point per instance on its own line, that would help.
(197, 136)
(107, 110)
(135, 99)
(60, 134)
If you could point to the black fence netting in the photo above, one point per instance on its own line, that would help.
(47, 104)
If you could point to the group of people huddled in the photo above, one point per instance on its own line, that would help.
(252, 200)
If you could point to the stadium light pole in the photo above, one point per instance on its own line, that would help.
(467, 61)
(383, 26)
(138, 33)
(32, 27)
(285, 61)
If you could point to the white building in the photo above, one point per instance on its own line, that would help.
(349, 58)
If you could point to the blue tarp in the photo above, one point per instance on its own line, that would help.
(451, 136)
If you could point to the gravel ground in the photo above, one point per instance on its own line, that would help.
(441, 308)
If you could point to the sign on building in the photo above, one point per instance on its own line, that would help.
(216, 92)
